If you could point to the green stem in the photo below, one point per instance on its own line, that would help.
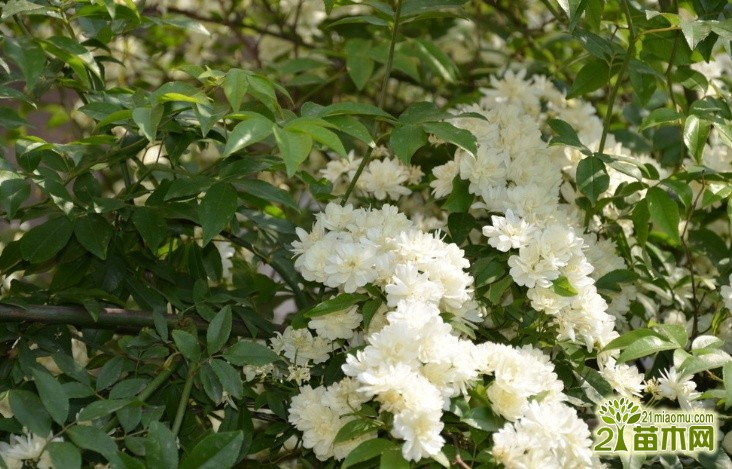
(619, 80)
(183, 403)
(390, 59)
(151, 387)
(352, 184)
(382, 100)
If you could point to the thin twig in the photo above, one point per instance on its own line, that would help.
(382, 100)
(109, 318)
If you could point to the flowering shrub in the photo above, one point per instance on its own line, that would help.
(320, 233)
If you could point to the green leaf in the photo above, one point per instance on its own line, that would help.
(367, 450)
(694, 31)
(641, 216)
(148, 119)
(727, 375)
(355, 109)
(15, 7)
(707, 361)
(645, 346)
(43, 242)
(356, 428)
(94, 233)
(187, 345)
(339, 303)
(250, 353)
(359, 65)
(218, 330)
(14, 190)
(664, 213)
(294, 147)
(151, 226)
(460, 199)
(229, 377)
(696, 132)
(723, 28)
(611, 280)
(661, 116)
(266, 191)
(418, 7)
(93, 439)
(592, 178)
(110, 373)
(451, 134)
(98, 409)
(644, 80)
(460, 225)
(64, 455)
(674, 332)
(629, 338)
(572, 8)
(484, 419)
(566, 135)
(563, 287)
(353, 127)
(592, 76)
(28, 56)
(161, 449)
(215, 451)
(319, 134)
(252, 130)
(405, 140)
(52, 395)
(217, 209)
(393, 459)
(30, 412)
(435, 59)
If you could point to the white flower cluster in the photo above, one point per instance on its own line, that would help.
(412, 367)
(349, 248)
(301, 347)
(521, 376)
(548, 435)
(381, 179)
(413, 362)
(321, 412)
(27, 447)
(671, 385)
(548, 254)
(511, 170)
(517, 175)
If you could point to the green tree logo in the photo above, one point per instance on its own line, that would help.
(620, 412)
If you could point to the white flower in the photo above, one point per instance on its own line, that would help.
(319, 423)
(350, 266)
(338, 325)
(679, 388)
(529, 268)
(548, 435)
(27, 447)
(409, 284)
(421, 432)
(626, 380)
(726, 292)
(385, 178)
(509, 232)
(444, 175)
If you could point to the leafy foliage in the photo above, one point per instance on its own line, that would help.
(160, 159)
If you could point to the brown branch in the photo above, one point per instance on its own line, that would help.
(151, 11)
(109, 318)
